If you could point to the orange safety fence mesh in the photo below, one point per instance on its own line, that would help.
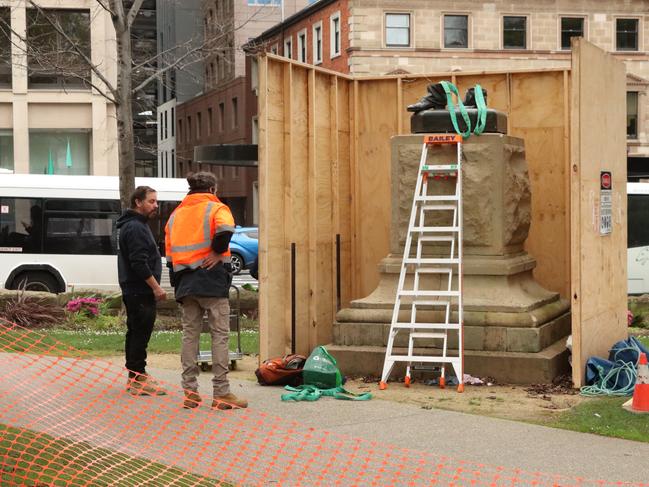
(68, 420)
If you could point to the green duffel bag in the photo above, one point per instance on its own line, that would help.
(321, 370)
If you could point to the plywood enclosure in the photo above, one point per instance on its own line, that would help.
(324, 145)
(598, 143)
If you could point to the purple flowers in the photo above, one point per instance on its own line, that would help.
(87, 306)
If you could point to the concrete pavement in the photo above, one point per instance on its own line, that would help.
(328, 442)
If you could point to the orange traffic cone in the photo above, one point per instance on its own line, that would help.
(640, 402)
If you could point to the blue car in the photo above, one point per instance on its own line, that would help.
(244, 247)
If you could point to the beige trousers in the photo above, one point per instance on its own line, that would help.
(218, 311)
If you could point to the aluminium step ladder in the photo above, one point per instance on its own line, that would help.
(446, 301)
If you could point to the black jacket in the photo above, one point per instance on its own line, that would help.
(138, 257)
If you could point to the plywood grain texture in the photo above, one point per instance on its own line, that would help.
(598, 143)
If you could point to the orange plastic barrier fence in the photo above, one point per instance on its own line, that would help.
(68, 420)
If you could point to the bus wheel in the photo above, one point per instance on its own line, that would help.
(36, 281)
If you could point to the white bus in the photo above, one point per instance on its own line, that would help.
(57, 233)
(638, 238)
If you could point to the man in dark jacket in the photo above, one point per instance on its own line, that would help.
(139, 269)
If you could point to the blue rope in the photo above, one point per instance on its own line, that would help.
(627, 371)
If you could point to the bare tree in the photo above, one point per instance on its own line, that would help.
(60, 48)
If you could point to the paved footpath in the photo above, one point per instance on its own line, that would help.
(472, 438)
(101, 413)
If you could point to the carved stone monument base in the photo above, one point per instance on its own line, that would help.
(514, 328)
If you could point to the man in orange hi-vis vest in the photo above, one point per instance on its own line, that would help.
(198, 256)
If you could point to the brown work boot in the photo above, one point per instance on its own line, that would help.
(144, 385)
(229, 401)
(192, 400)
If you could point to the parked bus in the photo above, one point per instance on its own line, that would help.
(638, 238)
(57, 233)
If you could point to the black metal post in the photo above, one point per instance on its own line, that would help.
(337, 272)
(293, 297)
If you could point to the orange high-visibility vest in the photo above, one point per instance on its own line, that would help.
(189, 231)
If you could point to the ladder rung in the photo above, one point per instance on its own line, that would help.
(442, 197)
(422, 358)
(427, 335)
(436, 238)
(413, 260)
(440, 167)
(427, 326)
(440, 294)
(433, 270)
(434, 229)
(438, 207)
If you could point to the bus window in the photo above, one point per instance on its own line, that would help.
(85, 227)
(21, 225)
(638, 214)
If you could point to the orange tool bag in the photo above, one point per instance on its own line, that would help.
(283, 371)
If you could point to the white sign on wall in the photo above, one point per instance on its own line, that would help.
(605, 203)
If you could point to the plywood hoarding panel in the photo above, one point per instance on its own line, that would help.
(598, 143)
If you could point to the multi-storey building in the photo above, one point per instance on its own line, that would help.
(144, 49)
(223, 114)
(180, 33)
(51, 121)
(431, 36)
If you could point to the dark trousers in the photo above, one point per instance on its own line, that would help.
(140, 317)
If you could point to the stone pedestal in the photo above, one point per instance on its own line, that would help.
(510, 320)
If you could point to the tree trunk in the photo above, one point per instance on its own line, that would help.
(124, 106)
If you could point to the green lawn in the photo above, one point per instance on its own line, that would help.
(102, 343)
(36, 459)
(605, 416)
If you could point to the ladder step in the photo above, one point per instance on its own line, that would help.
(438, 207)
(444, 197)
(427, 326)
(434, 229)
(413, 260)
(422, 358)
(433, 270)
(436, 238)
(427, 335)
(440, 294)
(439, 167)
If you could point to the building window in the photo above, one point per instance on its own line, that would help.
(288, 48)
(626, 34)
(264, 2)
(335, 34)
(199, 125)
(301, 46)
(6, 149)
(52, 59)
(397, 30)
(180, 130)
(59, 151)
(255, 130)
(173, 122)
(173, 163)
(5, 47)
(189, 129)
(235, 113)
(317, 43)
(514, 32)
(456, 31)
(571, 27)
(166, 125)
(221, 117)
(210, 121)
(632, 115)
(161, 128)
